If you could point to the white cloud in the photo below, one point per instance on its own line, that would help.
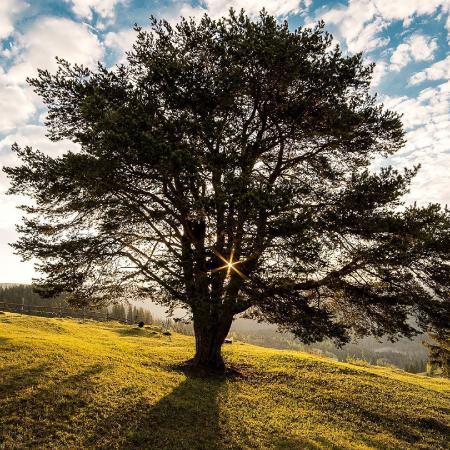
(86, 8)
(13, 269)
(36, 48)
(378, 72)
(49, 37)
(367, 39)
(406, 9)
(416, 48)
(219, 8)
(35, 136)
(120, 42)
(439, 70)
(429, 105)
(8, 9)
(361, 22)
(357, 23)
(17, 104)
(427, 121)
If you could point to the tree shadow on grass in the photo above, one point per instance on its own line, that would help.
(411, 431)
(303, 443)
(4, 340)
(187, 418)
(16, 378)
(35, 410)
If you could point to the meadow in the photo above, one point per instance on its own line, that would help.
(71, 383)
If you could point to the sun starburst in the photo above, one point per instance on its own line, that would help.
(230, 264)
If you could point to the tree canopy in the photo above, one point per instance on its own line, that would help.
(226, 167)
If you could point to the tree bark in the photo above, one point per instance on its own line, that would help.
(210, 334)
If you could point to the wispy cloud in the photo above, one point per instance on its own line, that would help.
(86, 8)
(416, 48)
(437, 71)
(9, 9)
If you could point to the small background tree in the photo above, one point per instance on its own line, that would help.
(439, 353)
(223, 169)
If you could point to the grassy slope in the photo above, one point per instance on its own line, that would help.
(67, 384)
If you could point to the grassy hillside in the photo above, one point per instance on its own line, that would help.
(69, 384)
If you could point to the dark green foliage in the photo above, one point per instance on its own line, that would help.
(233, 137)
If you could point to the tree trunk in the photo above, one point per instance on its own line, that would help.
(210, 334)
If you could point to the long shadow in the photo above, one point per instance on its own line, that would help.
(16, 378)
(405, 428)
(33, 413)
(187, 418)
(13, 381)
(4, 340)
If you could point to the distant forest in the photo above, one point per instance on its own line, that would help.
(22, 298)
(409, 355)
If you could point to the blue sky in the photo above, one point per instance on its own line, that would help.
(408, 39)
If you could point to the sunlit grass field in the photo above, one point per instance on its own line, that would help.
(71, 384)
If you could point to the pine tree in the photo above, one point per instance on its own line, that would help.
(130, 314)
(439, 352)
(226, 168)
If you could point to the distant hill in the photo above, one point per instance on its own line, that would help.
(67, 383)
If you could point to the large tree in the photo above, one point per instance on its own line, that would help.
(224, 168)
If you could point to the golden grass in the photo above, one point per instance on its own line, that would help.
(70, 384)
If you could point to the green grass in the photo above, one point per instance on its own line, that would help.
(69, 384)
